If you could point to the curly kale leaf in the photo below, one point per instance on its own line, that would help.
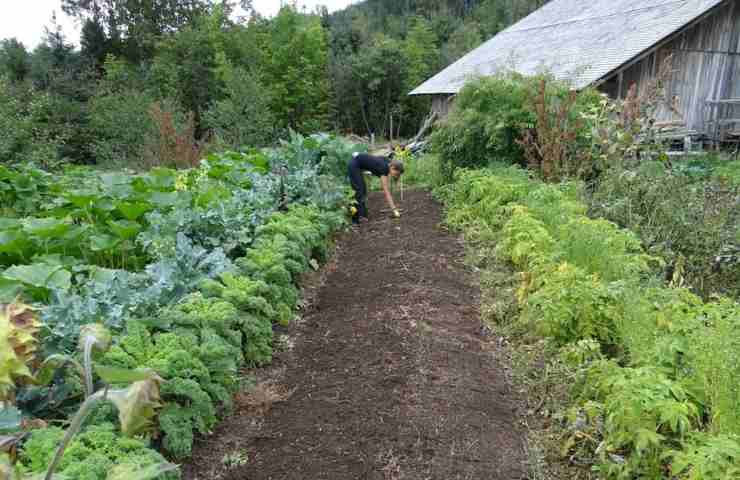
(258, 339)
(90, 455)
(191, 396)
(205, 314)
(176, 423)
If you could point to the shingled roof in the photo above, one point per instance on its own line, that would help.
(580, 41)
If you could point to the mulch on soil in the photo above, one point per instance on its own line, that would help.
(387, 375)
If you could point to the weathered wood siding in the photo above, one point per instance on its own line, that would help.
(442, 105)
(705, 64)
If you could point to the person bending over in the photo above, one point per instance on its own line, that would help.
(378, 166)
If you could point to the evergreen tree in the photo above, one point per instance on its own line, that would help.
(15, 62)
(95, 45)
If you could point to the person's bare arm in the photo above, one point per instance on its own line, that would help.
(386, 189)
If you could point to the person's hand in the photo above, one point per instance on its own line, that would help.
(396, 213)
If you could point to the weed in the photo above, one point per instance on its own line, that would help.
(552, 146)
(173, 147)
(235, 459)
(263, 396)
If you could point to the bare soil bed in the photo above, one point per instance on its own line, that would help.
(388, 374)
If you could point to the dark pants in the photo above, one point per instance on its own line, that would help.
(357, 180)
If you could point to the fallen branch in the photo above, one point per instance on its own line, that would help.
(428, 122)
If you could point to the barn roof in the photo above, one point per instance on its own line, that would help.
(580, 41)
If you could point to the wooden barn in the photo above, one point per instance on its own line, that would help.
(612, 44)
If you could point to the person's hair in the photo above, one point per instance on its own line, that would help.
(397, 164)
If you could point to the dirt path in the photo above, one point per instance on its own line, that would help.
(386, 376)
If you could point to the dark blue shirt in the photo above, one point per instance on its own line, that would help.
(378, 166)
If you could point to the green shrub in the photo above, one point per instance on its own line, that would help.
(242, 118)
(644, 414)
(568, 304)
(488, 118)
(706, 457)
(655, 325)
(712, 369)
(123, 124)
(30, 131)
(491, 115)
(525, 241)
(688, 224)
(121, 127)
(478, 195)
(729, 172)
(555, 204)
(423, 171)
(335, 153)
(602, 248)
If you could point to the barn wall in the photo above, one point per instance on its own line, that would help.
(442, 105)
(705, 64)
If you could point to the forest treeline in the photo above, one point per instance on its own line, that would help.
(178, 74)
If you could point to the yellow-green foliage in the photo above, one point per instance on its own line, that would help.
(568, 304)
(422, 171)
(91, 455)
(644, 413)
(708, 457)
(600, 247)
(729, 172)
(526, 241)
(659, 368)
(713, 363)
(478, 195)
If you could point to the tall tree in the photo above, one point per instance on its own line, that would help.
(243, 117)
(379, 75)
(185, 68)
(54, 61)
(420, 52)
(94, 44)
(463, 40)
(295, 69)
(134, 26)
(60, 73)
(15, 62)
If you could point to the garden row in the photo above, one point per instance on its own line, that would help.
(654, 370)
(132, 301)
(685, 210)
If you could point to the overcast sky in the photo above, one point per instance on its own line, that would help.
(25, 19)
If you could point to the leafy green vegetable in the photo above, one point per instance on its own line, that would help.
(91, 455)
(116, 259)
(40, 275)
